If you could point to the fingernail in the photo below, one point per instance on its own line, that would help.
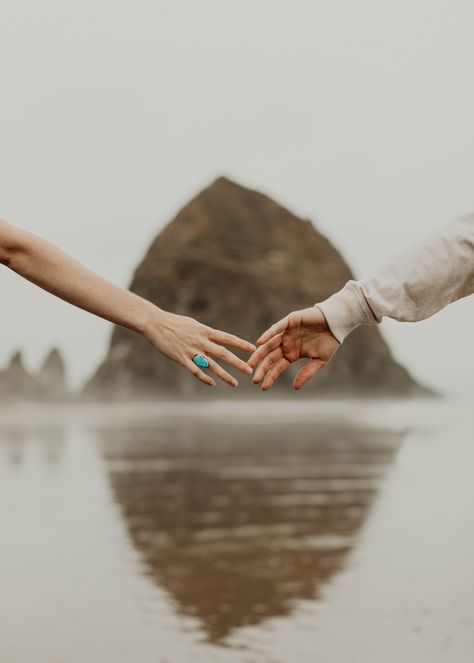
(235, 383)
(249, 370)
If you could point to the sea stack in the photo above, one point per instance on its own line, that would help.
(52, 377)
(49, 384)
(16, 383)
(235, 259)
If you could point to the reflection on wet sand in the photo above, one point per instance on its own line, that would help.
(15, 443)
(239, 522)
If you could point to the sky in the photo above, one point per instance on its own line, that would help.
(357, 115)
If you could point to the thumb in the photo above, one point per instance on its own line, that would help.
(305, 374)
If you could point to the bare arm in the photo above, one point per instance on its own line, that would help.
(47, 266)
(178, 337)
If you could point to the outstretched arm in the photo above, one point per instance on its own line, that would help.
(409, 287)
(178, 337)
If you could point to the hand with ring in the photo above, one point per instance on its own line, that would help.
(196, 346)
(178, 337)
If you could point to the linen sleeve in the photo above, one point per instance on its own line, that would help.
(410, 286)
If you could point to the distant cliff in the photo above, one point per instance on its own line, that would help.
(235, 259)
(17, 383)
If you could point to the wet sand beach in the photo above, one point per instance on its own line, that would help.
(253, 532)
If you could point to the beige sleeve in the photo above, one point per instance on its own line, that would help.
(411, 286)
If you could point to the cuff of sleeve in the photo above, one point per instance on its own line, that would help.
(344, 311)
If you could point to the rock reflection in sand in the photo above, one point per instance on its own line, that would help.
(16, 441)
(238, 521)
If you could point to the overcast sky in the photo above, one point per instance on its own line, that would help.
(358, 115)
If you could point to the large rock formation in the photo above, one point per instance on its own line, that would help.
(235, 259)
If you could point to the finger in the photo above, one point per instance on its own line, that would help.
(277, 328)
(223, 338)
(274, 373)
(266, 364)
(263, 350)
(305, 374)
(222, 374)
(200, 375)
(229, 357)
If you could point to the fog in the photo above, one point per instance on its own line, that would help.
(112, 114)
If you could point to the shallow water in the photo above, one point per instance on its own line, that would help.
(276, 532)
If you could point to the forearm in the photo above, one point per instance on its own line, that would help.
(53, 270)
(411, 286)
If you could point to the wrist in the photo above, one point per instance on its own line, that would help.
(148, 318)
(343, 312)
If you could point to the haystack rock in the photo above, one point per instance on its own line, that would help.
(236, 260)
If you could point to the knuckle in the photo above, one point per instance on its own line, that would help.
(220, 352)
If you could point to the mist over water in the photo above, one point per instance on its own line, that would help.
(283, 531)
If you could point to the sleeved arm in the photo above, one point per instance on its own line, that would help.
(410, 286)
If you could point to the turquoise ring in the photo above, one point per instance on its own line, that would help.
(201, 360)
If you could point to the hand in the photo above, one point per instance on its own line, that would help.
(300, 334)
(180, 338)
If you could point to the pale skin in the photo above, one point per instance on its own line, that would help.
(176, 336)
(300, 335)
